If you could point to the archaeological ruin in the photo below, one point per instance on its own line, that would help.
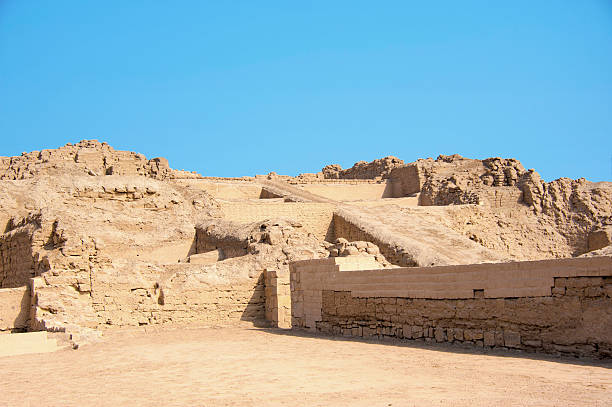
(480, 252)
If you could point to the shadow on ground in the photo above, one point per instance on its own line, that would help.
(464, 349)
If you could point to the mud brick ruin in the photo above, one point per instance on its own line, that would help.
(446, 250)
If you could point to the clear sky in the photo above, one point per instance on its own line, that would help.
(232, 88)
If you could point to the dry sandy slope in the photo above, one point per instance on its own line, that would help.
(245, 367)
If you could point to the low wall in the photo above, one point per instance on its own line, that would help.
(351, 191)
(14, 308)
(191, 294)
(315, 218)
(558, 306)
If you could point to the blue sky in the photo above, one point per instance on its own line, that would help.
(246, 87)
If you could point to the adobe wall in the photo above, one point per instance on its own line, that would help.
(501, 197)
(407, 180)
(228, 190)
(346, 191)
(556, 306)
(17, 263)
(187, 297)
(315, 218)
(14, 308)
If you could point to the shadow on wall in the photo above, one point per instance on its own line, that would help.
(445, 347)
(255, 309)
(15, 309)
(22, 320)
(194, 246)
(391, 190)
(267, 194)
(330, 235)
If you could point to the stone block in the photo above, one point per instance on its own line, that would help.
(512, 339)
(593, 291)
(535, 343)
(489, 338)
(499, 338)
(582, 282)
(439, 334)
(458, 334)
(558, 291)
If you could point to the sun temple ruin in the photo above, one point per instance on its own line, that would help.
(443, 250)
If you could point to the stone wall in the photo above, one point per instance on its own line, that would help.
(351, 192)
(555, 306)
(315, 218)
(363, 170)
(193, 294)
(14, 309)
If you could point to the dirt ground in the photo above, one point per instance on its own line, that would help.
(255, 367)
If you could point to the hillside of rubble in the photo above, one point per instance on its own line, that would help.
(103, 238)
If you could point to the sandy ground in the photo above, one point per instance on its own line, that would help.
(248, 367)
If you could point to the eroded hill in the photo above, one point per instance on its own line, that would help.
(106, 238)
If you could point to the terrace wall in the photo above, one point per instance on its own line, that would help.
(556, 306)
(355, 191)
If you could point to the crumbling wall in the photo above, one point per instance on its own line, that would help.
(230, 239)
(87, 157)
(347, 229)
(380, 168)
(557, 306)
(576, 208)
(19, 250)
(16, 257)
(316, 218)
